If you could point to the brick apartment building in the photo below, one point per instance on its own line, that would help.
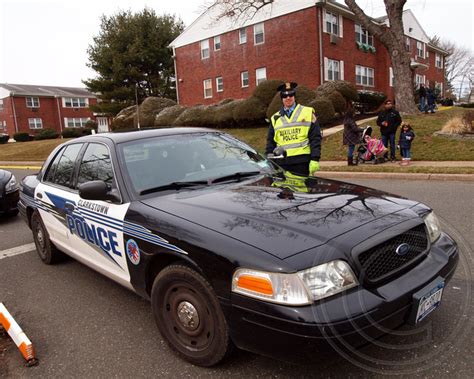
(31, 108)
(307, 41)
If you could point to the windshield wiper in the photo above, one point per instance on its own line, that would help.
(174, 185)
(235, 176)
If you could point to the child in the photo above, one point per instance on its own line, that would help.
(404, 142)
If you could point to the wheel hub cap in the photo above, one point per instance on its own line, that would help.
(188, 315)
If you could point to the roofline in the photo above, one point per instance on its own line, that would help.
(437, 48)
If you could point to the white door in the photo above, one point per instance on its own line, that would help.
(102, 124)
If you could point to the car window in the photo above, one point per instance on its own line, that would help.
(52, 167)
(96, 165)
(158, 161)
(62, 167)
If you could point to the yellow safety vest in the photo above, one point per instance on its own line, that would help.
(292, 133)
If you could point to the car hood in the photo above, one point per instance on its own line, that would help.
(284, 216)
(4, 176)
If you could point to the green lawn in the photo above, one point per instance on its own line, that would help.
(425, 145)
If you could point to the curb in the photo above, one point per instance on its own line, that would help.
(394, 175)
(18, 336)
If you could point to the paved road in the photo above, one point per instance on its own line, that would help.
(84, 325)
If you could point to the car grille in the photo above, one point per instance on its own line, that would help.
(381, 262)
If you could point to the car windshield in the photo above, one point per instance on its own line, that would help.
(179, 161)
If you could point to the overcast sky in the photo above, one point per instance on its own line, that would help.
(45, 41)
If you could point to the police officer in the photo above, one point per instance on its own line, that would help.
(295, 132)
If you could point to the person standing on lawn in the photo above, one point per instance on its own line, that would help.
(407, 136)
(422, 95)
(389, 120)
(295, 133)
(352, 134)
(430, 98)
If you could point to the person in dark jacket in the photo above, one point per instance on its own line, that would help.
(389, 120)
(352, 134)
(294, 133)
(430, 97)
(422, 96)
(404, 142)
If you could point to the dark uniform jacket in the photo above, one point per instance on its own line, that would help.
(392, 117)
(314, 137)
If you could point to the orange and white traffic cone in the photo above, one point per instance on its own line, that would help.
(18, 336)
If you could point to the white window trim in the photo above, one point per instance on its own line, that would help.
(244, 39)
(64, 99)
(423, 50)
(390, 76)
(204, 87)
(32, 101)
(326, 69)
(82, 123)
(35, 122)
(219, 42)
(339, 22)
(255, 34)
(242, 79)
(204, 49)
(440, 60)
(421, 81)
(217, 84)
(366, 69)
(256, 74)
(367, 34)
(1, 104)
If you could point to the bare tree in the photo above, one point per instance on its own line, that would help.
(458, 65)
(392, 37)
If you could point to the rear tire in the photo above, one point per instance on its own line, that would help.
(47, 252)
(189, 316)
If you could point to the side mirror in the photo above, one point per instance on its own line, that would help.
(97, 190)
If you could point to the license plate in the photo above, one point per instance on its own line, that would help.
(429, 300)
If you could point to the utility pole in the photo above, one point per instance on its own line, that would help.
(136, 102)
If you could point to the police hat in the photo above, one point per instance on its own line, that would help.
(288, 88)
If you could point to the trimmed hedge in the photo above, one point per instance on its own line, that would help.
(469, 105)
(338, 102)
(304, 96)
(199, 115)
(124, 119)
(347, 89)
(4, 138)
(150, 108)
(266, 90)
(22, 137)
(324, 110)
(447, 102)
(224, 115)
(370, 101)
(76, 132)
(46, 134)
(249, 112)
(168, 116)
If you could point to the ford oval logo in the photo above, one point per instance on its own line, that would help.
(402, 249)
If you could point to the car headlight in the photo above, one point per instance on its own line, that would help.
(301, 288)
(12, 185)
(432, 224)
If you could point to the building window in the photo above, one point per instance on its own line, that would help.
(261, 75)
(72, 102)
(207, 88)
(364, 76)
(258, 34)
(244, 79)
(332, 23)
(363, 36)
(205, 49)
(407, 44)
(35, 123)
(32, 102)
(439, 87)
(333, 71)
(1, 104)
(419, 79)
(76, 122)
(438, 61)
(419, 49)
(217, 43)
(242, 35)
(219, 84)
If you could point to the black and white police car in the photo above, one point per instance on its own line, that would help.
(232, 250)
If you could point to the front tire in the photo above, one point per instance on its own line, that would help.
(189, 316)
(47, 252)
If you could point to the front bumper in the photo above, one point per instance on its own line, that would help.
(8, 202)
(354, 318)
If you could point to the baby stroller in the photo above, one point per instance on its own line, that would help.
(370, 150)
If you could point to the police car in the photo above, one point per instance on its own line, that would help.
(232, 250)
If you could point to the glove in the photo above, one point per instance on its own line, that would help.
(398, 147)
(313, 167)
